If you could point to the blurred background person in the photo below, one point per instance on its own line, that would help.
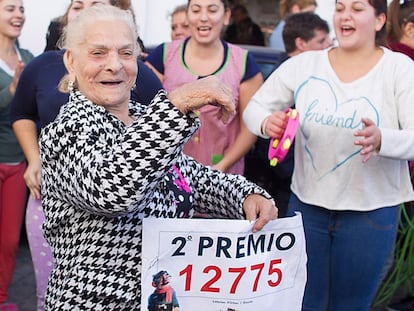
(204, 53)
(243, 30)
(13, 191)
(305, 31)
(287, 7)
(36, 103)
(53, 33)
(179, 24)
(400, 27)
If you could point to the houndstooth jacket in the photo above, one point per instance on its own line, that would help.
(100, 178)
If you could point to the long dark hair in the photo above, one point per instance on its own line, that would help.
(380, 7)
(398, 15)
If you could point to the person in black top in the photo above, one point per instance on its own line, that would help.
(243, 30)
(53, 34)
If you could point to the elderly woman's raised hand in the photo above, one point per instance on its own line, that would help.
(206, 91)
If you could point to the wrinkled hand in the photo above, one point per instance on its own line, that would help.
(276, 124)
(33, 179)
(17, 71)
(369, 139)
(260, 210)
(206, 91)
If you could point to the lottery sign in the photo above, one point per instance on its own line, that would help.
(221, 265)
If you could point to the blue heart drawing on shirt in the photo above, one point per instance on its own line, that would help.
(323, 110)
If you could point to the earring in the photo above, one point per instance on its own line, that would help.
(70, 85)
(133, 87)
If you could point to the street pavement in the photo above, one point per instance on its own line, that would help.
(23, 288)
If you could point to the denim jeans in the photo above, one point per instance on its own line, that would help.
(347, 252)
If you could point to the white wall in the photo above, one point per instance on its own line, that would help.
(152, 18)
(325, 9)
(38, 16)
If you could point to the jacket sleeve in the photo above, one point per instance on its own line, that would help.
(397, 141)
(111, 174)
(218, 194)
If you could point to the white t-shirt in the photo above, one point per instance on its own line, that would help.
(329, 171)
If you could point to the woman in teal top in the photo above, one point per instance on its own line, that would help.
(12, 162)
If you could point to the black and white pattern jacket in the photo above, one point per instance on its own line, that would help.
(100, 178)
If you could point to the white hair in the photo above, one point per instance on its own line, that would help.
(73, 34)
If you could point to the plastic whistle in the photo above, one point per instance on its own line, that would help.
(278, 148)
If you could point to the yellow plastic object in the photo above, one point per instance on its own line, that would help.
(273, 162)
(275, 143)
(286, 144)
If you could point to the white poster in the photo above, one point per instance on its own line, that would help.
(221, 265)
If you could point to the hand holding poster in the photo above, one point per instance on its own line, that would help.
(221, 265)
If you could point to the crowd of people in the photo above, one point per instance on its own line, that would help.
(81, 125)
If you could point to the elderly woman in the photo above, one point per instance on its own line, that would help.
(108, 162)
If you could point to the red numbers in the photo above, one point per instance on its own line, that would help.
(217, 274)
(273, 269)
(259, 269)
(189, 271)
(273, 278)
(240, 274)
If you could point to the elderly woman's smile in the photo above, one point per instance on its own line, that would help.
(111, 83)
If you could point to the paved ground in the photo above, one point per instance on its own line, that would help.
(23, 288)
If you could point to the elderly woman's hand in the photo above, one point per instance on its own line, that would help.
(260, 210)
(32, 178)
(206, 91)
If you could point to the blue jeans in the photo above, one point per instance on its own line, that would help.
(347, 252)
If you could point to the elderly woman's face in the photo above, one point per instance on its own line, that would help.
(105, 64)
